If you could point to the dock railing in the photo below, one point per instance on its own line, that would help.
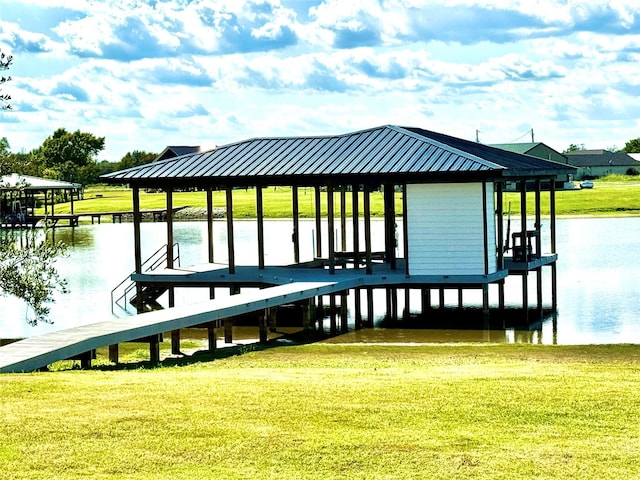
(156, 260)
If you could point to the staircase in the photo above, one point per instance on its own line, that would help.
(124, 294)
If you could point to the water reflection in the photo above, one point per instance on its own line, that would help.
(598, 274)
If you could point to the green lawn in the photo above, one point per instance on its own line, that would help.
(607, 198)
(325, 411)
(277, 201)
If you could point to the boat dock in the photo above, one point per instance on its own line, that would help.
(78, 343)
(449, 194)
(73, 219)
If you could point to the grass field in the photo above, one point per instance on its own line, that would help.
(327, 411)
(611, 197)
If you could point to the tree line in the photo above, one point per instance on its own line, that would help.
(632, 146)
(67, 156)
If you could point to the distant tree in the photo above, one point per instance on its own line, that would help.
(64, 154)
(574, 148)
(632, 146)
(27, 270)
(131, 159)
(5, 157)
(136, 158)
(5, 63)
(106, 166)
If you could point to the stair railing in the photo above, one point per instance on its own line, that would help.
(156, 260)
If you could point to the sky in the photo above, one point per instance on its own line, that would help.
(148, 74)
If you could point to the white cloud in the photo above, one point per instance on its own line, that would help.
(145, 74)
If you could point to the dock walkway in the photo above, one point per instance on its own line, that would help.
(38, 352)
(278, 286)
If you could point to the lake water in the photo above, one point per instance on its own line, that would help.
(598, 276)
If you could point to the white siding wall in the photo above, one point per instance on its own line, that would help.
(445, 229)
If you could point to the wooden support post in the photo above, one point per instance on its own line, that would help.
(175, 334)
(441, 298)
(228, 330)
(211, 336)
(370, 312)
(523, 220)
(525, 296)
(538, 225)
(343, 218)
(306, 315)
(488, 252)
(552, 215)
(539, 288)
(137, 245)
(460, 299)
(554, 287)
(367, 230)
(406, 315)
(394, 304)
(113, 353)
(344, 322)
(318, 208)
(263, 331)
(332, 315)
(357, 299)
(154, 349)
(356, 224)
(425, 300)
(86, 358)
(169, 217)
(295, 237)
(391, 313)
(390, 225)
(210, 225)
(405, 230)
(260, 221)
(230, 239)
(331, 228)
(485, 301)
(273, 318)
(320, 315)
(501, 302)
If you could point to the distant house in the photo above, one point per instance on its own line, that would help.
(599, 163)
(177, 151)
(538, 150)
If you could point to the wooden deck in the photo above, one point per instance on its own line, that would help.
(283, 285)
(72, 219)
(217, 275)
(37, 352)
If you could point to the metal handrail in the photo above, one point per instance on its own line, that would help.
(153, 262)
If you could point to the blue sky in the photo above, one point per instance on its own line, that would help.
(147, 74)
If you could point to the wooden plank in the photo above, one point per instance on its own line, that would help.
(36, 352)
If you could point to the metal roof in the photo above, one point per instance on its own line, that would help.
(27, 182)
(523, 148)
(601, 158)
(379, 154)
(177, 151)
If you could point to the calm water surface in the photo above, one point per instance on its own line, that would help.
(598, 277)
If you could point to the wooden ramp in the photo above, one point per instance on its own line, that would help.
(38, 352)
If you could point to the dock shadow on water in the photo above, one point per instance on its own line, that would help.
(470, 324)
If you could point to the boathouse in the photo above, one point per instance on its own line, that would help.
(452, 214)
(20, 194)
